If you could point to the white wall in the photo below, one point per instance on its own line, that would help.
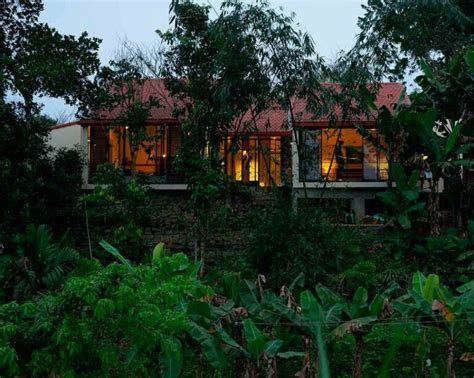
(69, 136)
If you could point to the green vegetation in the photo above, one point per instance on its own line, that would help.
(305, 295)
(122, 207)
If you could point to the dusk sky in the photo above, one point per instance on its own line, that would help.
(332, 24)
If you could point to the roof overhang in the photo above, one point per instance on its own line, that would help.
(327, 124)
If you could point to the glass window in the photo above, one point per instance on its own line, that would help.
(153, 156)
(310, 151)
(275, 160)
(255, 160)
(383, 162)
(250, 157)
(370, 158)
(342, 155)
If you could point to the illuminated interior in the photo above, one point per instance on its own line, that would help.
(341, 155)
(154, 156)
(256, 160)
(335, 154)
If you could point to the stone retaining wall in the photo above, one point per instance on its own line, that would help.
(171, 222)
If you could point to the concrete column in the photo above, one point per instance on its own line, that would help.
(358, 205)
(295, 170)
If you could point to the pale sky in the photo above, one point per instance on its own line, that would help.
(331, 23)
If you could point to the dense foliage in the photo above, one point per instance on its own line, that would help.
(284, 242)
(307, 295)
(225, 72)
(118, 319)
(37, 184)
(120, 207)
(37, 265)
(106, 321)
(398, 35)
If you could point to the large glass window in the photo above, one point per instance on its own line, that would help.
(340, 155)
(154, 155)
(383, 162)
(370, 158)
(253, 160)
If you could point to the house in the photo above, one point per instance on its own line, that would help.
(315, 156)
(335, 161)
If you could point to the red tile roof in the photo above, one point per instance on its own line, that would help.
(150, 88)
(388, 95)
(272, 121)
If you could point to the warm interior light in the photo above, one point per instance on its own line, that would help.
(424, 157)
(244, 152)
(163, 156)
(126, 127)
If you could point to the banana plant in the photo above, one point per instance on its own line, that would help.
(227, 329)
(434, 305)
(315, 320)
(355, 317)
(442, 153)
(402, 201)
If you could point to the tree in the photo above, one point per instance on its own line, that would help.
(445, 140)
(121, 90)
(398, 35)
(36, 58)
(226, 71)
(37, 184)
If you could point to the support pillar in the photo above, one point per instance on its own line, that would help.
(358, 206)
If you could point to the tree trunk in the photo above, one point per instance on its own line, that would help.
(203, 255)
(450, 363)
(133, 164)
(305, 364)
(359, 348)
(271, 368)
(250, 370)
(196, 249)
(316, 363)
(199, 367)
(433, 209)
(28, 99)
(239, 362)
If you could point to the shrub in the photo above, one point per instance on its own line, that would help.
(284, 242)
(114, 321)
(38, 264)
(119, 207)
